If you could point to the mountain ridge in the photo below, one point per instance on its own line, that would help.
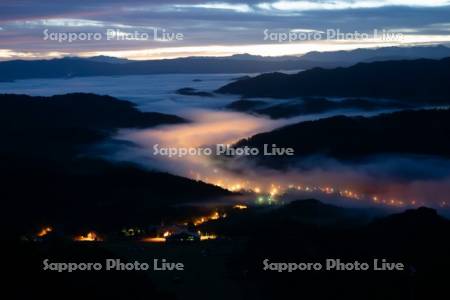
(101, 65)
(422, 80)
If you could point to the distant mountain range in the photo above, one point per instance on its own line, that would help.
(108, 59)
(421, 80)
(242, 63)
(84, 67)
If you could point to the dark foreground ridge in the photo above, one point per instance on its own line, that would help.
(304, 231)
(48, 177)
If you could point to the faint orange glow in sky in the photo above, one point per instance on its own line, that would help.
(268, 49)
(276, 49)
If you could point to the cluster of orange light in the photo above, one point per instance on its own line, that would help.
(44, 231)
(154, 240)
(91, 236)
(205, 237)
(274, 190)
(233, 187)
(214, 216)
(240, 206)
(159, 238)
(349, 194)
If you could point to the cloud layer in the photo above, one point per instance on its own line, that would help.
(212, 27)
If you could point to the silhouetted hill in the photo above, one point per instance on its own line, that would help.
(108, 59)
(77, 110)
(47, 177)
(83, 194)
(245, 105)
(406, 132)
(193, 92)
(420, 80)
(291, 219)
(423, 220)
(379, 54)
(58, 125)
(312, 211)
(421, 246)
(312, 106)
(312, 208)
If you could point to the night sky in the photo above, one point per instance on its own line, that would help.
(213, 28)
